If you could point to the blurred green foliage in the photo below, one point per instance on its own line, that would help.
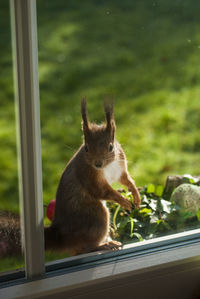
(155, 218)
(143, 54)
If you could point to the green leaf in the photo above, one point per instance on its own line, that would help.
(132, 226)
(129, 196)
(198, 215)
(190, 179)
(145, 211)
(166, 205)
(153, 219)
(159, 221)
(188, 176)
(153, 204)
(115, 216)
(145, 199)
(137, 235)
(122, 224)
(163, 225)
(185, 214)
(159, 190)
(151, 188)
(128, 193)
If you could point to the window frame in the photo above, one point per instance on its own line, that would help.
(25, 54)
(88, 272)
(64, 272)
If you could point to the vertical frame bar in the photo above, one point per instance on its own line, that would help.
(25, 52)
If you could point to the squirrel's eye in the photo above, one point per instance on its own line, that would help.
(86, 148)
(110, 147)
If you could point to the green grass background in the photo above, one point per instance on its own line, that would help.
(143, 54)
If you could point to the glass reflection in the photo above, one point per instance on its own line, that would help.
(10, 239)
(144, 55)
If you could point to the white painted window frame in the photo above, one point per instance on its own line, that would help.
(25, 50)
(141, 256)
(163, 254)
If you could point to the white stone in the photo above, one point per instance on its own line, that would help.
(187, 196)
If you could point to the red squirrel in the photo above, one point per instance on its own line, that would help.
(81, 219)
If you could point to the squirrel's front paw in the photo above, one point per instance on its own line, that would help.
(126, 204)
(136, 200)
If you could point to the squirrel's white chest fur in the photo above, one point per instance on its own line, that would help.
(113, 171)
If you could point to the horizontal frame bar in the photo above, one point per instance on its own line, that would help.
(163, 259)
(94, 259)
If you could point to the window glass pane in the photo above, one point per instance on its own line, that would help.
(145, 56)
(10, 240)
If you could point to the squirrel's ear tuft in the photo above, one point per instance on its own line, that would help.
(84, 113)
(110, 121)
(109, 114)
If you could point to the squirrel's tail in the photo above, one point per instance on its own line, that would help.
(10, 235)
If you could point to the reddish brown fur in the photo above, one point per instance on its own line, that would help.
(81, 220)
(10, 237)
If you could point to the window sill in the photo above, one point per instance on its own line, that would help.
(161, 253)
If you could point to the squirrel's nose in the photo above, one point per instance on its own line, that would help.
(98, 164)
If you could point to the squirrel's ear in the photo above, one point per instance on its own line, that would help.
(84, 112)
(109, 113)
